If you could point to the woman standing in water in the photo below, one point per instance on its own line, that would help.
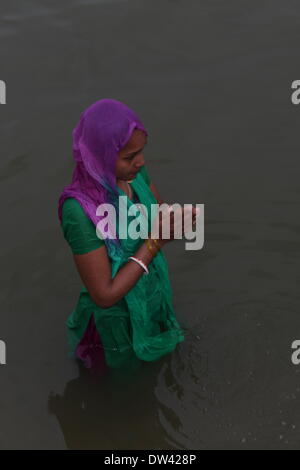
(124, 314)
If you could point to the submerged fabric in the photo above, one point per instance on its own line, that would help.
(90, 350)
(142, 325)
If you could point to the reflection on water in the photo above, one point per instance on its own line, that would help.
(149, 410)
(109, 412)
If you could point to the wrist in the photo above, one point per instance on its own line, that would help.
(153, 244)
(158, 241)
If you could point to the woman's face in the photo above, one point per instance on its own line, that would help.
(131, 158)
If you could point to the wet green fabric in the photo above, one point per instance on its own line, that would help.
(142, 325)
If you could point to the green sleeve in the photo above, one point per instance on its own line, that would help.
(145, 174)
(78, 229)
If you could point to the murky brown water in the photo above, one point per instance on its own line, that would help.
(211, 82)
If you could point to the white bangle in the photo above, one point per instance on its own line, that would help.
(141, 263)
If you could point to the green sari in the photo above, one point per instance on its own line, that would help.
(142, 325)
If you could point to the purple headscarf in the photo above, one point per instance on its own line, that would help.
(103, 130)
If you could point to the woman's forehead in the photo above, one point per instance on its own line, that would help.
(136, 141)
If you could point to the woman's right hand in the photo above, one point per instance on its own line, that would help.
(177, 224)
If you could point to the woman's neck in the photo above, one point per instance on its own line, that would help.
(123, 184)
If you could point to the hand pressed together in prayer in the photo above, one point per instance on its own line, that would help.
(173, 222)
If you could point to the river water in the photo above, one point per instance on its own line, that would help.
(211, 80)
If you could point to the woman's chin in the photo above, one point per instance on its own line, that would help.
(131, 178)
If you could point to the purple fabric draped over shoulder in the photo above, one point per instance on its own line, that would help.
(103, 130)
